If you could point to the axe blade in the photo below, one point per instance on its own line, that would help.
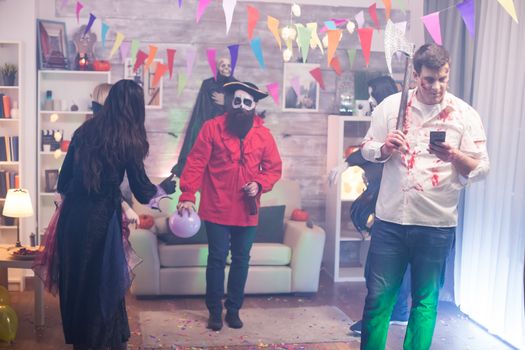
(395, 41)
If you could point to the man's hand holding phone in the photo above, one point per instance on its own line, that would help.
(439, 147)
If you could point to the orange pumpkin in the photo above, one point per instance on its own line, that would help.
(300, 215)
(349, 150)
(101, 65)
(145, 221)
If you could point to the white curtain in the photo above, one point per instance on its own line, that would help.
(490, 260)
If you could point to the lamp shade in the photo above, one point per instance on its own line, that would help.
(18, 203)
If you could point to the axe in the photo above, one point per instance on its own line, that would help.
(395, 41)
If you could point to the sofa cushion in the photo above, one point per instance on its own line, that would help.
(271, 227)
(269, 254)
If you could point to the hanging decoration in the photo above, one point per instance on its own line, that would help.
(171, 58)
(253, 17)
(303, 40)
(351, 56)
(159, 72)
(92, 19)
(296, 10)
(273, 27)
(365, 38)
(273, 90)
(78, 9)
(388, 8)
(317, 74)
(336, 65)
(211, 54)
(334, 36)
(508, 5)
(360, 19)
(151, 55)
(350, 27)
(124, 50)
(431, 22)
(234, 53)
(181, 82)
(255, 44)
(201, 7)
(104, 32)
(372, 10)
(139, 60)
(467, 10)
(314, 38)
(118, 41)
(135, 44)
(228, 7)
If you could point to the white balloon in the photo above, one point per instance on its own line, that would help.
(350, 26)
(287, 55)
(296, 10)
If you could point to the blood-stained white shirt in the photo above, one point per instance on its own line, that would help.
(417, 188)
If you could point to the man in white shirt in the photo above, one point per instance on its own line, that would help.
(416, 212)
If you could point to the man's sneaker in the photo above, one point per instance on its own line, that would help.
(356, 327)
(233, 320)
(215, 322)
(399, 322)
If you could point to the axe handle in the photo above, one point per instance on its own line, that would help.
(404, 94)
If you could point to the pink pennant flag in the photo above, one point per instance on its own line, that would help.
(360, 19)
(79, 8)
(171, 58)
(124, 50)
(336, 65)
(365, 37)
(467, 10)
(203, 4)
(296, 85)
(431, 22)
(152, 53)
(273, 90)
(139, 59)
(190, 61)
(373, 13)
(318, 76)
(253, 17)
(159, 72)
(388, 7)
(211, 61)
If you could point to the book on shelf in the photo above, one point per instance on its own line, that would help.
(9, 148)
(2, 106)
(6, 106)
(8, 179)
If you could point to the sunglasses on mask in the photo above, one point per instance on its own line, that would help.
(245, 103)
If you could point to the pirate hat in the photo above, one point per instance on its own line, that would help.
(250, 88)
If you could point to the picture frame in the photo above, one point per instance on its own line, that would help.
(297, 78)
(144, 77)
(51, 178)
(52, 45)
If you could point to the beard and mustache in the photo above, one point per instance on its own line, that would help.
(239, 121)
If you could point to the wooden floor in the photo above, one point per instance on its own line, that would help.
(453, 330)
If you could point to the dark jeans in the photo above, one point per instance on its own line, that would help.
(221, 239)
(401, 311)
(392, 248)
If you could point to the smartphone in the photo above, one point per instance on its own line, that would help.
(437, 136)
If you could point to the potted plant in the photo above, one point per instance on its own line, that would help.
(9, 71)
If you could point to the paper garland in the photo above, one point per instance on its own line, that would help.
(467, 10)
(92, 19)
(365, 38)
(273, 90)
(253, 18)
(139, 60)
(373, 13)
(201, 7)
(234, 53)
(255, 44)
(124, 51)
(336, 65)
(159, 72)
(171, 59)
(211, 53)
(151, 56)
(318, 76)
(104, 32)
(273, 27)
(78, 9)
(116, 45)
(431, 22)
(228, 6)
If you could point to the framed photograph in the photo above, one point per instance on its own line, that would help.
(144, 77)
(300, 89)
(51, 180)
(52, 45)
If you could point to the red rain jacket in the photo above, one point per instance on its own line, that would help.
(215, 168)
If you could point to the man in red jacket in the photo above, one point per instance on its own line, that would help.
(232, 162)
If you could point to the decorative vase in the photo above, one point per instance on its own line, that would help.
(9, 80)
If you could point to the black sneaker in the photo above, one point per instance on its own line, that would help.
(233, 320)
(356, 327)
(215, 322)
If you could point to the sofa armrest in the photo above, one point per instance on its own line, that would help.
(147, 273)
(307, 252)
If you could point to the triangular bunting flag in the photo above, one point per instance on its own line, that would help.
(431, 22)
(211, 53)
(180, 3)
(351, 56)
(373, 13)
(182, 83)
(336, 65)
(92, 19)
(79, 8)
(388, 7)
(468, 11)
(159, 72)
(273, 90)
(234, 53)
(116, 45)
(334, 36)
(360, 19)
(253, 17)
(135, 44)
(152, 53)
(228, 6)
(314, 38)
(257, 51)
(508, 5)
(273, 27)
(104, 33)
(139, 60)
(303, 40)
(365, 37)
(171, 58)
(203, 4)
(124, 51)
(318, 76)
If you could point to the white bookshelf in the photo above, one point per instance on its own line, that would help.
(68, 88)
(341, 236)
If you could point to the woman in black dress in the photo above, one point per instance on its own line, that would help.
(93, 271)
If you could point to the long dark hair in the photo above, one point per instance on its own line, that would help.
(382, 87)
(116, 136)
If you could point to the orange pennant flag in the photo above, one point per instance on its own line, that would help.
(334, 36)
(253, 17)
(151, 56)
(336, 65)
(159, 72)
(273, 26)
(388, 7)
(365, 37)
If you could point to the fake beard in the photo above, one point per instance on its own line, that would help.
(239, 121)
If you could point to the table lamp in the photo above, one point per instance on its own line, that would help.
(18, 205)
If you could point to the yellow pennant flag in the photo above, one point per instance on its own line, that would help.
(314, 39)
(334, 36)
(151, 56)
(508, 5)
(118, 41)
(273, 26)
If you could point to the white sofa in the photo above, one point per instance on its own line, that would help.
(288, 267)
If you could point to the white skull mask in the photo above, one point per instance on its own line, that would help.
(242, 99)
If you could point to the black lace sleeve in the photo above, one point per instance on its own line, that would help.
(139, 183)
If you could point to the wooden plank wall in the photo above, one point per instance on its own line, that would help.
(301, 137)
